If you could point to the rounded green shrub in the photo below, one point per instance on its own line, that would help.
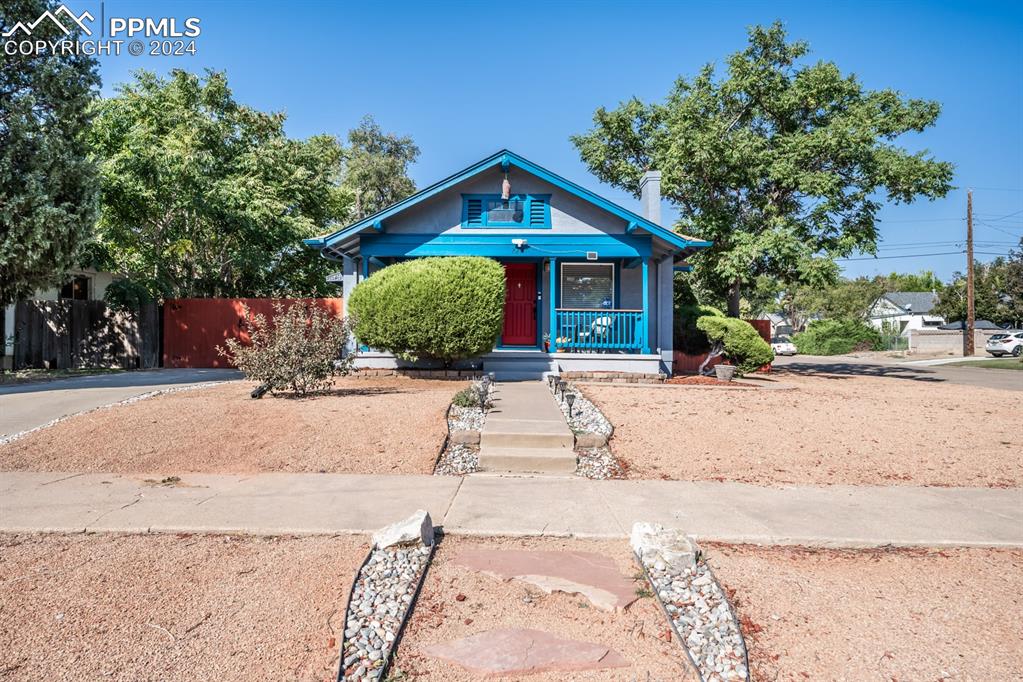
(835, 337)
(740, 343)
(443, 308)
(688, 338)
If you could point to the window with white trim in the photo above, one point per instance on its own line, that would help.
(587, 286)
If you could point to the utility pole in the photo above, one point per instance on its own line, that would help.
(968, 341)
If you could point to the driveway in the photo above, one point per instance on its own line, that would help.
(845, 365)
(26, 406)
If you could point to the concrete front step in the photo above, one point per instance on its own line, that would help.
(526, 433)
(527, 460)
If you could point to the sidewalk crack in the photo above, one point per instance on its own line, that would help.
(451, 503)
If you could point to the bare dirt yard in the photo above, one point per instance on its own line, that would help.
(881, 615)
(380, 425)
(830, 430)
(169, 607)
(458, 602)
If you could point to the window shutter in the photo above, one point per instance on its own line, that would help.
(537, 212)
(474, 212)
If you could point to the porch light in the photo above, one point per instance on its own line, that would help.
(570, 398)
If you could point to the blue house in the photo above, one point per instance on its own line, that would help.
(589, 283)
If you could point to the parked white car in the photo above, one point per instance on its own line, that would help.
(1009, 343)
(781, 345)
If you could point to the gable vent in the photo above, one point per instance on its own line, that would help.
(537, 212)
(474, 212)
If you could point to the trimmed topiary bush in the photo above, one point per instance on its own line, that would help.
(835, 337)
(443, 308)
(737, 340)
(688, 337)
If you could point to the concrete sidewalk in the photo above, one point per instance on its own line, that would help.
(270, 504)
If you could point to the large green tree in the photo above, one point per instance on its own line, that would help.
(781, 162)
(997, 287)
(48, 185)
(376, 168)
(203, 196)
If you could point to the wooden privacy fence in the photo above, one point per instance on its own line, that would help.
(85, 334)
(194, 327)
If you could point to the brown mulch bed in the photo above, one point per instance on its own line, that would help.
(458, 602)
(362, 426)
(953, 614)
(187, 607)
(833, 430)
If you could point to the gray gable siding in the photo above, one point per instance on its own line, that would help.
(442, 214)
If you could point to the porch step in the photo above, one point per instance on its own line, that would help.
(517, 365)
(526, 433)
(527, 460)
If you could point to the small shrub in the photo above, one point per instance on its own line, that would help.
(835, 337)
(443, 308)
(470, 397)
(738, 341)
(298, 349)
(688, 337)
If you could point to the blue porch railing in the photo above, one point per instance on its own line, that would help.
(599, 330)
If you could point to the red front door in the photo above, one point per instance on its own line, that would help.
(519, 305)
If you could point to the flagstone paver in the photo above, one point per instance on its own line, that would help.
(592, 575)
(518, 651)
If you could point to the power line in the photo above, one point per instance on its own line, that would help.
(908, 255)
(1008, 215)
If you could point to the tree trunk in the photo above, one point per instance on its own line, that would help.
(734, 292)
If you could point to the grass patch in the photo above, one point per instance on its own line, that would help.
(994, 363)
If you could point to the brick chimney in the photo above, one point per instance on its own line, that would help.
(650, 196)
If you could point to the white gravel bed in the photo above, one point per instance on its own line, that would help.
(586, 417)
(466, 418)
(457, 460)
(598, 463)
(701, 614)
(382, 594)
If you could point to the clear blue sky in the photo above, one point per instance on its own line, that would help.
(466, 79)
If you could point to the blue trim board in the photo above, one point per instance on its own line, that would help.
(500, 245)
(528, 203)
(507, 158)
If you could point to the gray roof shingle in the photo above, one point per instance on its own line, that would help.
(921, 301)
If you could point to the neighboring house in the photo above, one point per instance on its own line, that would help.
(593, 277)
(85, 284)
(899, 312)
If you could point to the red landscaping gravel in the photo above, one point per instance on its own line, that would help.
(877, 615)
(364, 426)
(166, 607)
(829, 430)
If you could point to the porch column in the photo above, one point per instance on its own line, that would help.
(365, 265)
(646, 305)
(552, 302)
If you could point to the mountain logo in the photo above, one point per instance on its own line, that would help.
(52, 16)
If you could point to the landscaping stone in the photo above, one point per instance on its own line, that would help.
(517, 651)
(417, 528)
(586, 417)
(591, 575)
(458, 460)
(598, 464)
(654, 544)
(464, 438)
(590, 440)
(382, 594)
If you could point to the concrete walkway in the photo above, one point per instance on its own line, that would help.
(841, 516)
(526, 432)
(27, 406)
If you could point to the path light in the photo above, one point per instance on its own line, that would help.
(570, 398)
(561, 387)
(482, 393)
(493, 377)
(485, 380)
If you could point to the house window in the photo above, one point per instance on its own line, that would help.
(587, 286)
(76, 290)
(518, 210)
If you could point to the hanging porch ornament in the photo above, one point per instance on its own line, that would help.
(506, 188)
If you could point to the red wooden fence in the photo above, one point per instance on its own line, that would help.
(684, 363)
(194, 327)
